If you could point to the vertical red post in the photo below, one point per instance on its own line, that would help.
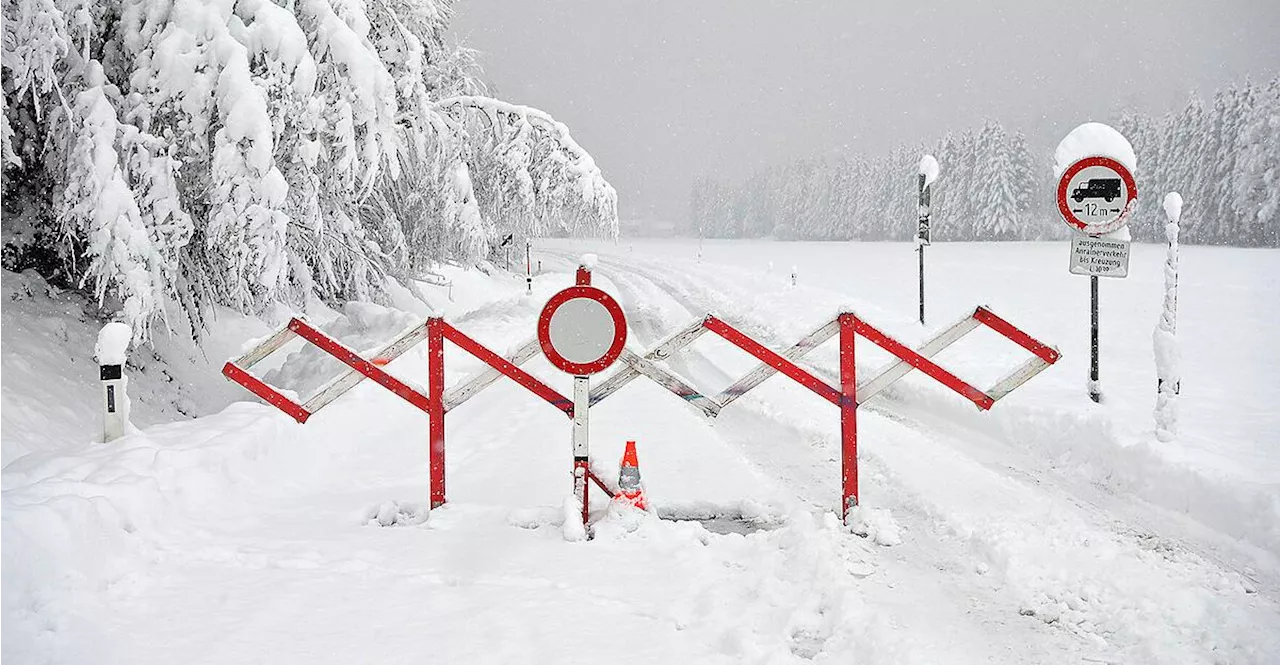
(435, 406)
(848, 417)
(583, 276)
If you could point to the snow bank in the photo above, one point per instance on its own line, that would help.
(1093, 139)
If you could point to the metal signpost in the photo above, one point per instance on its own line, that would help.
(928, 170)
(582, 331)
(1095, 197)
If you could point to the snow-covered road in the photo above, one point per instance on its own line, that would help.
(243, 537)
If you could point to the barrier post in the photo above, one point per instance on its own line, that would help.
(848, 417)
(435, 407)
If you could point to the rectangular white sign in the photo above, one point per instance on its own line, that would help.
(1099, 256)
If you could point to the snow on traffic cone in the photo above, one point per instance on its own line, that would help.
(630, 489)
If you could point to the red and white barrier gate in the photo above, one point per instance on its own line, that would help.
(582, 331)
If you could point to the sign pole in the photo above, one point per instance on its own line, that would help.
(928, 172)
(528, 268)
(921, 250)
(1096, 194)
(581, 453)
(1095, 388)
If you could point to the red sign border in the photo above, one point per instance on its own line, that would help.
(1113, 225)
(619, 330)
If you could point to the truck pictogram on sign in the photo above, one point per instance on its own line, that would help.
(1096, 195)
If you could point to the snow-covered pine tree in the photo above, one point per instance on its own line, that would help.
(250, 152)
(1256, 182)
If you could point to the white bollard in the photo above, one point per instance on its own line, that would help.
(1164, 341)
(111, 351)
(794, 270)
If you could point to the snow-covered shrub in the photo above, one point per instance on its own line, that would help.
(249, 152)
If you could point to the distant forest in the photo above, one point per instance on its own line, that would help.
(1222, 156)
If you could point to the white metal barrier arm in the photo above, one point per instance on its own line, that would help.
(461, 393)
(764, 370)
(265, 348)
(1017, 377)
(344, 382)
(671, 382)
(900, 368)
(665, 349)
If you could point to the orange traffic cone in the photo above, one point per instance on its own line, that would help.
(630, 489)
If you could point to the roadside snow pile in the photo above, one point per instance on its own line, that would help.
(51, 397)
(361, 327)
(875, 524)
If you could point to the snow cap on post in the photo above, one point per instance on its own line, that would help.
(585, 265)
(929, 169)
(1173, 206)
(1093, 139)
(113, 343)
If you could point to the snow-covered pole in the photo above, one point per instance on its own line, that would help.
(1164, 341)
(111, 351)
(794, 270)
(928, 173)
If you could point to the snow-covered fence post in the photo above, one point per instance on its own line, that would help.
(793, 275)
(1168, 370)
(928, 173)
(111, 351)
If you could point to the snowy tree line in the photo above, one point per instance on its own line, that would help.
(170, 155)
(1223, 157)
(984, 193)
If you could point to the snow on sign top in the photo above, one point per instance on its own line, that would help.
(1096, 189)
(582, 330)
(1093, 139)
(929, 169)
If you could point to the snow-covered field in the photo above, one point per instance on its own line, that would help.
(1049, 530)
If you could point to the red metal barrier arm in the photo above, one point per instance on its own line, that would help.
(923, 364)
(349, 357)
(512, 372)
(261, 389)
(1015, 335)
(773, 359)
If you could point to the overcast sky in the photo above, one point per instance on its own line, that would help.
(660, 91)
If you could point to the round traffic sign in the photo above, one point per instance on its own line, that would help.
(582, 330)
(1096, 195)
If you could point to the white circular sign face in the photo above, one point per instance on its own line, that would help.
(582, 330)
(1095, 195)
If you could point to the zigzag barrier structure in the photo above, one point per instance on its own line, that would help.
(582, 331)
